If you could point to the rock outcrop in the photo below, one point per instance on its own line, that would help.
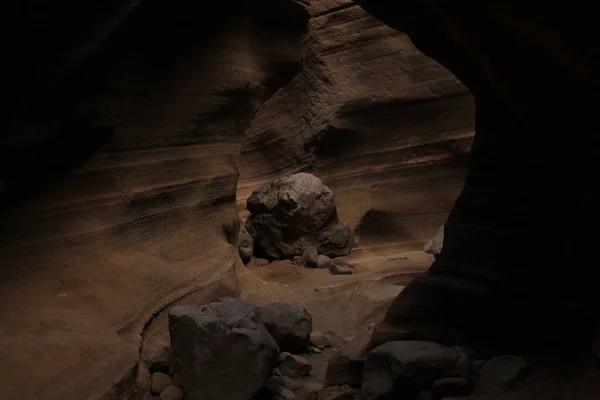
(221, 350)
(294, 214)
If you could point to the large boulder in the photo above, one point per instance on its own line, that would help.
(434, 245)
(219, 344)
(289, 324)
(402, 369)
(294, 214)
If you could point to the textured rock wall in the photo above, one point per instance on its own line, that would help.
(120, 183)
(385, 127)
(120, 154)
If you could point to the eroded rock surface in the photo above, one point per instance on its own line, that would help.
(294, 214)
(221, 350)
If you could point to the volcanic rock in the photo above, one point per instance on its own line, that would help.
(294, 214)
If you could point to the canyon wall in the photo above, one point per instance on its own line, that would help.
(120, 154)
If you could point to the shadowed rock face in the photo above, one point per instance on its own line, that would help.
(513, 271)
(120, 163)
(130, 122)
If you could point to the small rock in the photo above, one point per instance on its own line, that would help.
(289, 324)
(157, 357)
(159, 382)
(435, 245)
(325, 262)
(316, 350)
(319, 339)
(341, 270)
(288, 382)
(349, 339)
(171, 393)
(297, 260)
(311, 387)
(371, 326)
(500, 374)
(245, 244)
(426, 395)
(150, 396)
(404, 368)
(285, 393)
(261, 262)
(446, 387)
(294, 366)
(346, 365)
(310, 258)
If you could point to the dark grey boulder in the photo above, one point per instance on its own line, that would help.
(404, 368)
(289, 324)
(294, 214)
(499, 374)
(221, 350)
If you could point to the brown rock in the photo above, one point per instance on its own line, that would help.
(159, 382)
(346, 365)
(157, 357)
(150, 396)
(171, 393)
(340, 269)
(319, 339)
(293, 366)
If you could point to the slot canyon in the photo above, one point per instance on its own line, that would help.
(172, 172)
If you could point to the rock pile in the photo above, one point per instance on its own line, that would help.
(417, 370)
(232, 350)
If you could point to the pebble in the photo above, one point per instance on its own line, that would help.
(293, 366)
(171, 393)
(340, 270)
(159, 382)
(319, 339)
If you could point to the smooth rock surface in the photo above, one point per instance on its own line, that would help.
(289, 324)
(297, 213)
(221, 343)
